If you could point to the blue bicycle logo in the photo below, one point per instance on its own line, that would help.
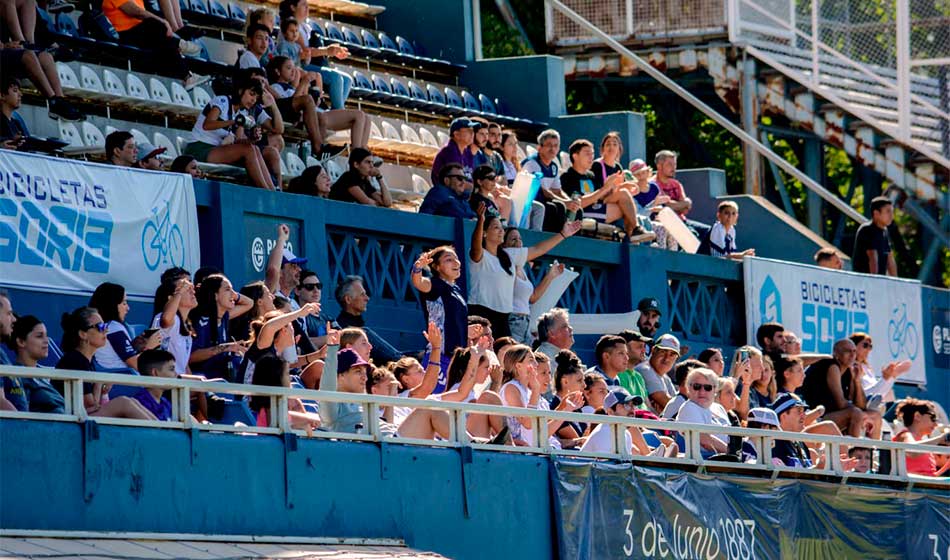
(902, 336)
(162, 241)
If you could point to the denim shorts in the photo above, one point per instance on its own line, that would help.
(520, 327)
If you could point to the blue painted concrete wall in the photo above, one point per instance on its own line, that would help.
(412, 18)
(530, 87)
(145, 480)
(593, 127)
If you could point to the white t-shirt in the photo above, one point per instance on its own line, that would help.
(213, 137)
(673, 407)
(521, 303)
(117, 349)
(283, 90)
(249, 60)
(599, 440)
(490, 285)
(175, 342)
(692, 413)
(722, 241)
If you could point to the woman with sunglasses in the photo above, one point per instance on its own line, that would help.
(920, 421)
(701, 408)
(486, 191)
(874, 384)
(84, 333)
(120, 353)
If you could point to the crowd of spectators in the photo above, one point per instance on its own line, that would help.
(481, 344)
(273, 332)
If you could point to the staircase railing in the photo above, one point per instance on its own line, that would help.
(896, 53)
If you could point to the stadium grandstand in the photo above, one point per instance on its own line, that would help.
(474, 279)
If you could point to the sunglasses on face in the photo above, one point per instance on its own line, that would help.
(698, 386)
(101, 327)
(867, 345)
(310, 286)
(459, 177)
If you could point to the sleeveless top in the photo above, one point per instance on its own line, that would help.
(923, 463)
(517, 430)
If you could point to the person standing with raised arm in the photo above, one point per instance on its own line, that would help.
(492, 268)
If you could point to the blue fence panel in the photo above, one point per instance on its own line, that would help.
(708, 310)
(586, 294)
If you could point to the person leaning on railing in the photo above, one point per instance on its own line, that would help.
(34, 394)
(920, 423)
(701, 408)
(84, 332)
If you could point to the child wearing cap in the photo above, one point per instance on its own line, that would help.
(621, 403)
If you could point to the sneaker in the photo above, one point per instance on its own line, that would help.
(59, 108)
(502, 438)
(328, 151)
(189, 48)
(194, 80)
(61, 53)
(658, 451)
(640, 235)
(59, 7)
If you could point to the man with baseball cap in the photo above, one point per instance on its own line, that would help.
(461, 136)
(148, 156)
(283, 268)
(630, 378)
(620, 403)
(790, 410)
(659, 386)
(649, 321)
(344, 371)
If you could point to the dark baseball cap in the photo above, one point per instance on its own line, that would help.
(621, 396)
(347, 359)
(786, 401)
(459, 124)
(649, 304)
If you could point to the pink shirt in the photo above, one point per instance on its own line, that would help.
(673, 189)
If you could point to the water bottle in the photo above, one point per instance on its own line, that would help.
(571, 215)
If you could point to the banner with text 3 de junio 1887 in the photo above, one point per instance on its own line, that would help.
(68, 226)
(823, 306)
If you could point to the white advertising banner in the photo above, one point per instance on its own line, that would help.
(823, 306)
(67, 226)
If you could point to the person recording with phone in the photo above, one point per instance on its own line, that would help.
(221, 134)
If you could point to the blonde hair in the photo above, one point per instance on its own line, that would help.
(514, 355)
(350, 335)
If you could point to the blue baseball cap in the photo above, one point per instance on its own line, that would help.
(786, 401)
(460, 123)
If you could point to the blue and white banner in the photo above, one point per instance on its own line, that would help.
(608, 511)
(68, 226)
(823, 306)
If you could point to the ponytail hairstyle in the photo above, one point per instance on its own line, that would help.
(780, 366)
(457, 366)
(567, 363)
(268, 372)
(401, 367)
(74, 323)
(106, 299)
(503, 258)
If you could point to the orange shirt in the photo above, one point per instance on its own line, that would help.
(117, 17)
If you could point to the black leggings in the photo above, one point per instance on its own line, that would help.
(499, 321)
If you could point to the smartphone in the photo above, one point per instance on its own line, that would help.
(149, 332)
(743, 356)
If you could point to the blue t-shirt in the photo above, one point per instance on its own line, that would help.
(41, 396)
(15, 393)
(445, 306)
(215, 366)
(162, 409)
(443, 201)
(549, 173)
(792, 453)
(644, 199)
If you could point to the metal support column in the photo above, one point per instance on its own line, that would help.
(815, 168)
(752, 163)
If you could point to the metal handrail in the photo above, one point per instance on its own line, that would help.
(722, 121)
(458, 412)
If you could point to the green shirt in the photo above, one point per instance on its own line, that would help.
(632, 381)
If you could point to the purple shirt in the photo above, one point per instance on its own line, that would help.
(450, 153)
(161, 409)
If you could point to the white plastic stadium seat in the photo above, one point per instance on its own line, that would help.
(520, 152)
(162, 141)
(69, 133)
(428, 138)
(158, 91)
(295, 165)
(90, 81)
(531, 150)
(92, 136)
(333, 169)
(180, 95)
(139, 136)
(311, 161)
(565, 160)
(390, 135)
(202, 97)
(374, 131)
(113, 84)
(67, 77)
(109, 129)
(419, 184)
(443, 138)
(136, 87)
(181, 142)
